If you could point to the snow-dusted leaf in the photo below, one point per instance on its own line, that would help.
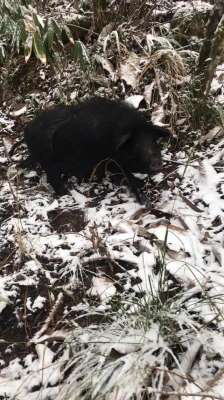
(172, 238)
(106, 64)
(153, 40)
(178, 380)
(113, 34)
(4, 301)
(29, 24)
(218, 252)
(181, 121)
(129, 70)
(39, 47)
(148, 92)
(219, 156)
(105, 33)
(208, 173)
(69, 34)
(28, 46)
(18, 112)
(38, 21)
(128, 344)
(134, 100)
(158, 115)
(102, 287)
(214, 132)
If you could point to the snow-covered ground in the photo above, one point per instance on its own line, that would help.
(119, 295)
(100, 297)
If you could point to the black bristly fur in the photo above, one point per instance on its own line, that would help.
(74, 139)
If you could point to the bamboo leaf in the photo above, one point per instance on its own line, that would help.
(39, 47)
(28, 46)
(38, 21)
(49, 37)
(57, 31)
(80, 54)
(69, 34)
(2, 52)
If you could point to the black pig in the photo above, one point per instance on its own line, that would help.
(75, 139)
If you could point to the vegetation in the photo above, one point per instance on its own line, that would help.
(99, 298)
(23, 29)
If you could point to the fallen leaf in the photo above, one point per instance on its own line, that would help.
(148, 92)
(106, 65)
(19, 112)
(129, 70)
(135, 100)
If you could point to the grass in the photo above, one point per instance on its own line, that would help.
(151, 334)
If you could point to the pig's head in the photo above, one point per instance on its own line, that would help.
(142, 150)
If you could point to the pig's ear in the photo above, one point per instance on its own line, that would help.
(123, 140)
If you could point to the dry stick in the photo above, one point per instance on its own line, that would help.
(82, 28)
(51, 316)
(189, 203)
(179, 162)
(211, 382)
(52, 339)
(180, 375)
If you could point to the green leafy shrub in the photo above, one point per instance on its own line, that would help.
(23, 30)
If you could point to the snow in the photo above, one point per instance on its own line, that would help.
(4, 296)
(194, 257)
(195, 5)
(102, 287)
(115, 297)
(134, 100)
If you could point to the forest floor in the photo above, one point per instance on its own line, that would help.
(101, 297)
